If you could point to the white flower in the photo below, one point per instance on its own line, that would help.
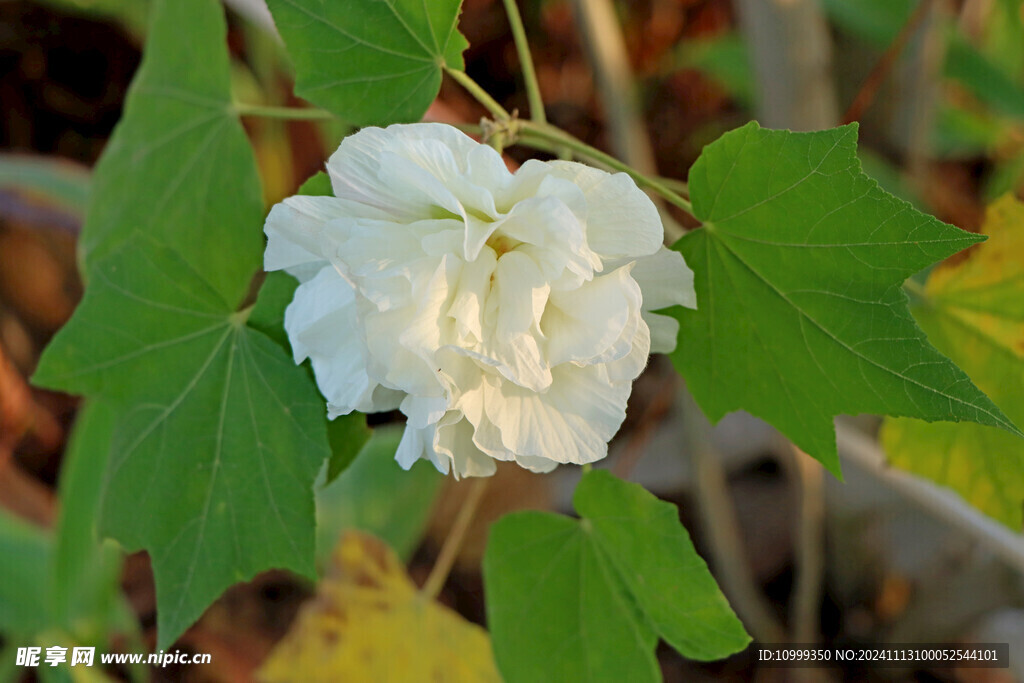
(506, 315)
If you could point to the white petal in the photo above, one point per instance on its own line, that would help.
(456, 442)
(664, 332)
(321, 325)
(621, 220)
(417, 443)
(584, 325)
(665, 280)
(572, 422)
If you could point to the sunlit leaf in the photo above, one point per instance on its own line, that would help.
(800, 312)
(973, 310)
(369, 623)
(371, 62)
(179, 166)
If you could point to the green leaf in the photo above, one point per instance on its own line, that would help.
(179, 166)
(267, 315)
(371, 62)
(377, 496)
(219, 437)
(84, 578)
(973, 310)
(587, 600)
(317, 185)
(800, 312)
(25, 550)
(347, 435)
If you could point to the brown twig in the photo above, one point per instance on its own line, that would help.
(450, 550)
(805, 605)
(869, 89)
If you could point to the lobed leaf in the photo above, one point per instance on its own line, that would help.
(973, 310)
(372, 62)
(800, 312)
(219, 436)
(587, 600)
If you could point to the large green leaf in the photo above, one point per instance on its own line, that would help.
(372, 62)
(800, 312)
(973, 311)
(220, 436)
(586, 600)
(179, 166)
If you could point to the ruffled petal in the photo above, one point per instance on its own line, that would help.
(571, 422)
(321, 325)
(665, 279)
(622, 221)
(587, 325)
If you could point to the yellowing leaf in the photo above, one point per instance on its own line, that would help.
(973, 311)
(370, 623)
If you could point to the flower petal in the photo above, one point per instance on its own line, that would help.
(572, 422)
(614, 202)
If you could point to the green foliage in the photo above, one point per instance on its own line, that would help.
(84, 575)
(26, 551)
(800, 312)
(587, 600)
(179, 166)
(219, 437)
(372, 63)
(377, 496)
(974, 312)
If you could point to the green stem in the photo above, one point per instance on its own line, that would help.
(526, 62)
(481, 96)
(547, 133)
(293, 113)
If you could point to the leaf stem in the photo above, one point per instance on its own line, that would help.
(549, 134)
(272, 112)
(473, 88)
(526, 62)
(450, 550)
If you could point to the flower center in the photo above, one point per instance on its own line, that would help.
(502, 244)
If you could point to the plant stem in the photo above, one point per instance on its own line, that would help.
(525, 62)
(450, 550)
(293, 113)
(805, 605)
(473, 88)
(547, 133)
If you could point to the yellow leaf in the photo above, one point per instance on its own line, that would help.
(973, 311)
(370, 623)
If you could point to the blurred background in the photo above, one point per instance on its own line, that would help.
(938, 87)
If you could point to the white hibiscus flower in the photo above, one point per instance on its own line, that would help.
(506, 315)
